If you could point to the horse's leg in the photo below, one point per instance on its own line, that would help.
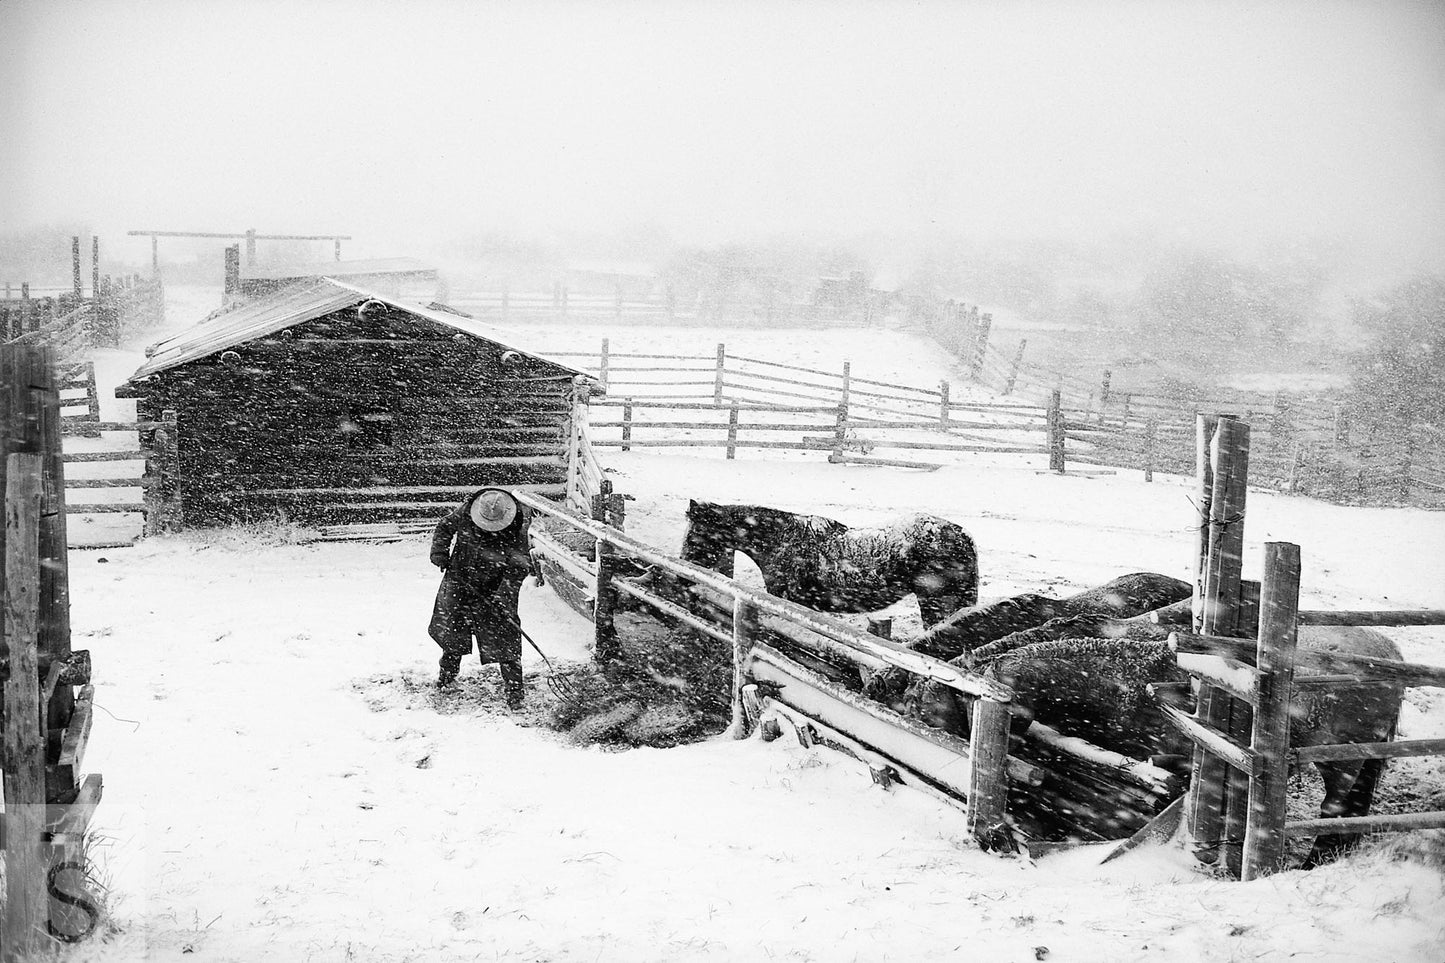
(1349, 791)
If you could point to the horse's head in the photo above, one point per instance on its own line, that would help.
(714, 532)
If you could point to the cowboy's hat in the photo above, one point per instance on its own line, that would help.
(492, 510)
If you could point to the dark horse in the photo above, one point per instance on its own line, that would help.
(825, 565)
(1095, 689)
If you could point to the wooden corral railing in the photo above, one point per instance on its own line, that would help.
(1241, 724)
(1306, 444)
(773, 405)
(46, 724)
(777, 648)
(561, 305)
(158, 481)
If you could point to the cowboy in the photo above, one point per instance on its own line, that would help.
(481, 548)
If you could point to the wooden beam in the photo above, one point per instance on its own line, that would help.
(1368, 750)
(1363, 667)
(26, 906)
(1237, 678)
(1393, 823)
(1383, 617)
(1209, 738)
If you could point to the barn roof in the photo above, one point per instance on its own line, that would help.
(293, 305)
(335, 269)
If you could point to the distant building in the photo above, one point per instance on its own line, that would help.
(331, 402)
(401, 277)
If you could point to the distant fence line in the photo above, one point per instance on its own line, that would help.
(1306, 444)
(73, 320)
(561, 305)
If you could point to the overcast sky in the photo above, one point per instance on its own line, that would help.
(1220, 122)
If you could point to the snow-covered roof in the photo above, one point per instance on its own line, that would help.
(335, 269)
(295, 305)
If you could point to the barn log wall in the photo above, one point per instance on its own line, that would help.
(351, 418)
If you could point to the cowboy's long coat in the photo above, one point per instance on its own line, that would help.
(484, 572)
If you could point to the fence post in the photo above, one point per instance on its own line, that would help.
(943, 406)
(1104, 394)
(717, 378)
(168, 458)
(745, 627)
(626, 424)
(602, 365)
(604, 648)
(1055, 426)
(847, 382)
(155, 257)
(840, 432)
(733, 430)
(987, 786)
(1222, 450)
(95, 282)
(1151, 428)
(26, 901)
(1407, 466)
(1264, 838)
(980, 346)
(1013, 373)
(75, 284)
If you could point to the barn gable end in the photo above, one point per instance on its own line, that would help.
(345, 405)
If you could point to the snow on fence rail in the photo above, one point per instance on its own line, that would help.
(158, 478)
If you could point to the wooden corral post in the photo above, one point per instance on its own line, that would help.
(840, 433)
(847, 388)
(156, 256)
(26, 902)
(883, 628)
(251, 245)
(1151, 430)
(75, 284)
(1104, 394)
(626, 424)
(980, 346)
(1407, 462)
(604, 603)
(1013, 371)
(96, 314)
(943, 406)
(602, 365)
(987, 782)
(1264, 839)
(717, 377)
(1223, 462)
(1055, 426)
(745, 629)
(733, 431)
(161, 485)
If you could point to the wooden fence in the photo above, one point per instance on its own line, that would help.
(71, 323)
(731, 402)
(562, 305)
(157, 480)
(1305, 444)
(777, 650)
(46, 723)
(1242, 720)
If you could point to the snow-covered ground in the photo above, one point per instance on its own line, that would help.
(282, 783)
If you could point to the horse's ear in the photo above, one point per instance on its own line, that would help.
(691, 506)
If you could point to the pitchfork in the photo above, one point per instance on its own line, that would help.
(560, 685)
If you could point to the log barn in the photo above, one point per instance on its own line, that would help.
(328, 402)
